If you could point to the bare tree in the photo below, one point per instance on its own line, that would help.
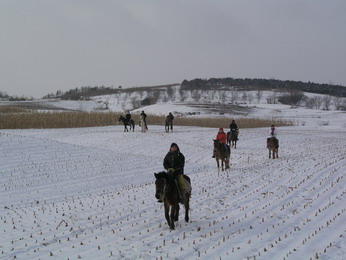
(318, 102)
(327, 101)
(222, 95)
(196, 95)
(259, 95)
(244, 95)
(234, 95)
(170, 93)
(337, 102)
(272, 98)
(250, 97)
(310, 103)
(183, 94)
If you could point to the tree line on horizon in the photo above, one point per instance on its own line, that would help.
(264, 84)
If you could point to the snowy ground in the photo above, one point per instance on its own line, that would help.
(88, 193)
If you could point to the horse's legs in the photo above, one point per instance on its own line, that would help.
(217, 162)
(187, 207)
(172, 216)
(176, 217)
(227, 163)
(277, 152)
(167, 214)
(269, 153)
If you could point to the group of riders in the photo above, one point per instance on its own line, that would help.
(143, 118)
(174, 160)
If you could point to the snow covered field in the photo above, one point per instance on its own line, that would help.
(88, 193)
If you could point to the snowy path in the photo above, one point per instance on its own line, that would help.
(88, 193)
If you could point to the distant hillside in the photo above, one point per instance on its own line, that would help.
(264, 84)
(212, 84)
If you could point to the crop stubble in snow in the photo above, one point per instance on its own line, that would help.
(89, 193)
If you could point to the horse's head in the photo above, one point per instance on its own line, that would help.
(121, 118)
(216, 143)
(160, 183)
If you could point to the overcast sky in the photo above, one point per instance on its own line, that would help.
(50, 45)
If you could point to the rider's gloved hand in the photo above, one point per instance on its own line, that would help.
(170, 171)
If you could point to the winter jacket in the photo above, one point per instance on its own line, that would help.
(273, 132)
(128, 117)
(222, 137)
(175, 160)
(233, 126)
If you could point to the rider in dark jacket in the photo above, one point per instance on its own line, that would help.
(174, 163)
(128, 116)
(234, 128)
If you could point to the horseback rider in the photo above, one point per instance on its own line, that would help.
(272, 131)
(174, 163)
(128, 116)
(234, 128)
(170, 116)
(222, 137)
(144, 117)
(169, 122)
(273, 134)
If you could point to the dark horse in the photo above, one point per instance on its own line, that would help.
(273, 147)
(126, 123)
(168, 192)
(223, 153)
(168, 124)
(232, 138)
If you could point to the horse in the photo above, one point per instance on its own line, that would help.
(223, 153)
(273, 147)
(143, 124)
(126, 123)
(232, 138)
(168, 192)
(168, 124)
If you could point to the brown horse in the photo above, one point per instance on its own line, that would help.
(126, 123)
(223, 153)
(168, 124)
(168, 192)
(232, 138)
(273, 147)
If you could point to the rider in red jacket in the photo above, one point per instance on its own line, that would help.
(221, 136)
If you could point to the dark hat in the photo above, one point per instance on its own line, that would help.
(174, 144)
(221, 129)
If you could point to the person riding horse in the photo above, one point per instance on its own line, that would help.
(128, 116)
(169, 122)
(234, 128)
(222, 137)
(144, 117)
(174, 163)
(273, 134)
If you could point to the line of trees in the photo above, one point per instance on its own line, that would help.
(5, 96)
(265, 84)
